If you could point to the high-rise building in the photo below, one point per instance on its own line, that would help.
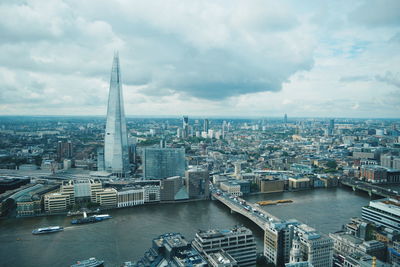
(185, 127)
(160, 163)
(277, 241)
(116, 156)
(64, 150)
(285, 118)
(197, 182)
(206, 125)
(316, 248)
(238, 242)
(331, 126)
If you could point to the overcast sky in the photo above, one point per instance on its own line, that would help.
(204, 58)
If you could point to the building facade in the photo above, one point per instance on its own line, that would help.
(238, 242)
(116, 157)
(160, 163)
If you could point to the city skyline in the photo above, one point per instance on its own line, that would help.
(251, 59)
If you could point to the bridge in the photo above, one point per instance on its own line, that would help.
(248, 210)
(369, 188)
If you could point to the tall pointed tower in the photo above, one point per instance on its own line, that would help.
(116, 157)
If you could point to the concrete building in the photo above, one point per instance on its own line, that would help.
(231, 187)
(278, 241)
(131, 196)
(373, 173)
(160, 163)
(107, 198)
(238, 242)
(56, 202)
(170, 188)
(197, 182)
(170, 249)
(383, 212)
(116, 157)
(221, 259)
(151, 193)
(362, 260)
(272, 185)
(82, 190)
(64, 150)
(317, 248)
(31, 202)
(298, 183)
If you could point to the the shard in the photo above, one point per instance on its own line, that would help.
(116, 157)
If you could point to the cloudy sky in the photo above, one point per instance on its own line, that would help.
(204, 58)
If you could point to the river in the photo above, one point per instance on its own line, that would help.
(129, 233)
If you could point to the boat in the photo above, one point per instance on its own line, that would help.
(47, 230)
(92, 262)
(91, 219)
(273, 202)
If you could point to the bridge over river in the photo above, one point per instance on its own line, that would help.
(249, 210)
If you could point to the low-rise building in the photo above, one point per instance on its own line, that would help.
(107, 198)
(231, 187)
(131, 196)
(151, 193)
(56, 202)
(298, 183)
(383, 212)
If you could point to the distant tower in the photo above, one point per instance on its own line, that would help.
(331, 127)
(206, 125)
(116, 156)
(295, 251)
(185, 127)
(285, 119)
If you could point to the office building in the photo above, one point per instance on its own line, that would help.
(56, 202)
(171, 188)
(231, 187)
(64, 150)
(278, 241)
(131, 196)
(281, 236)
(151, 193)
(237, 242)
(116, 157)
(206, 125)
(221, 259)
(107, 198)
(359, 259)
(317, 248)
(100, 159)
(160, 163)
(82, 190)
(383, 212)
(170, 249)
(197, 182)
(185, 127)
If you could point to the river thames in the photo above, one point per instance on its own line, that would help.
(129, 233)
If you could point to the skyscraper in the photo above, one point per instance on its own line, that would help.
(160, 163)
(205, 125)
(185, 126)
(116, 157)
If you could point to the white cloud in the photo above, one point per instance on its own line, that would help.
(221, 57)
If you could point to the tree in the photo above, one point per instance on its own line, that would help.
(331, 164)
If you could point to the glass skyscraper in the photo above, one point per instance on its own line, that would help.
(160, 163)
(116, 156)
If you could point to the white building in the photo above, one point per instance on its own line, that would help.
(130, 197)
